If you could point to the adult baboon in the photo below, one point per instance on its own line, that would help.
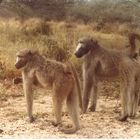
(39, 71)
(100, 64)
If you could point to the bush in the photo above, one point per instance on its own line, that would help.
(54, 51)
(36, 26)
(59, 44)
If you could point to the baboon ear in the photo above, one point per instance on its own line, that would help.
(32, 52)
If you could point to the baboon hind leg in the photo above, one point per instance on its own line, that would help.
(86, 93)
(57, 106)
(72, 104)
(124, 98)
(130, 97)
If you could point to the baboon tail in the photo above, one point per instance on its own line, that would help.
(77, 83)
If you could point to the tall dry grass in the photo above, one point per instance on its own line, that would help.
(55, 40)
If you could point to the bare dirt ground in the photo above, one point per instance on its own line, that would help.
(99, 124)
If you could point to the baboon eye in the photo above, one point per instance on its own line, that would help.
(81, 42)
(20, 56)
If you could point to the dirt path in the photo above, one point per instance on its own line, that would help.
(100, 124)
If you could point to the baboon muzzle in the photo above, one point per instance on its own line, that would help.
(18, 65)
(78, 55)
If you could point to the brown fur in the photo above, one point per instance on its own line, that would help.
(39, 71)
(100, 64)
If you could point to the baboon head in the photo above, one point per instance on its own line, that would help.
(84, 46)
(23, 57)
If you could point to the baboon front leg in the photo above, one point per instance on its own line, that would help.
(86, 92)
(124, 98)
(93, 98)
(27, 85)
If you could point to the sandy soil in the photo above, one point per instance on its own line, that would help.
(99, 124)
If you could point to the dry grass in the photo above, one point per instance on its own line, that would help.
(54, 40)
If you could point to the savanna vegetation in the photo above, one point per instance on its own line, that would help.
(54, 26)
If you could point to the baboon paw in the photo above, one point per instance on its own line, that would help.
(68, 129)
(122, 118)
(30, 120)
(132, 116)
(84, 110)
(91, 109)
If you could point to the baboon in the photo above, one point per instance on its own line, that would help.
(39, 71)
(102, 64)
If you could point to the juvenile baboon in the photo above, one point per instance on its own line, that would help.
(100, 64)
(39, 71)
